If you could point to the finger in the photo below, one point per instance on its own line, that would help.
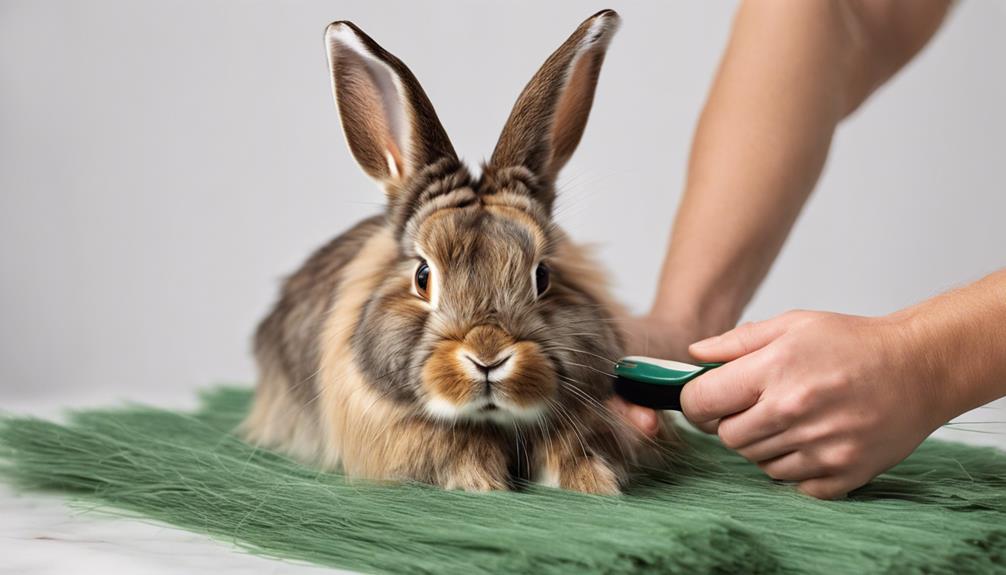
(793, 466)
(833, 487)
(723, 391)
(768, 449)
(643, 419)
(709, 427)
(740, 341)
(750, 427)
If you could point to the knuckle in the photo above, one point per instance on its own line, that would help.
(802, 319)
(822, 490)
(730, 436)
(742, 337)
(797, 314)
(772, 471)
(771, 355)
(841, 458)
(749, 454)
(838, 377)
(814, 434)
(745, 327)
(781, 354)
(695, 402)
(792, 405)
(709, 427)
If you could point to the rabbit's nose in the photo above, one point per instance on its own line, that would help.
(487, 343)
(494, 371)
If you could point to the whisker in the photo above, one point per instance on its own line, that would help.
(563, 412)
(611, 375)
(575, 350)
(605, 413)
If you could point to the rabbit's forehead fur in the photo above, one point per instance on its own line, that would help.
(480, 238)
(492, 230)
(495, 226)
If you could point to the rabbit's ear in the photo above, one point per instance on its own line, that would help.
(551, 113)
(390, 124)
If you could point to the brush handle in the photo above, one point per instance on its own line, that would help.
(655, 387)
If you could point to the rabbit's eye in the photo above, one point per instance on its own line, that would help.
(541, 278)
(423, 279)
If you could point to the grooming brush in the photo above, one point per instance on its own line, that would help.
(655, 383)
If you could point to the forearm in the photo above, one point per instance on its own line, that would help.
(758, 149)
(957, 345)
(791, 72)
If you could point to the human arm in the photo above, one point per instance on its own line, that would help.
(792, 71)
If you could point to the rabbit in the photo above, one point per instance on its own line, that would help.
(459, 338)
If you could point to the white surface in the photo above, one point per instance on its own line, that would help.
(162, 164)
(42, 535)
(47, 534)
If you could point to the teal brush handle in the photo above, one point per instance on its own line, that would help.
(655, 383)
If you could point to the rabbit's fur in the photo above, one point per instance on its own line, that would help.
(483, 374)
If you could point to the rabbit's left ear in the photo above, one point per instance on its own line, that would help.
(390, 124)
(551, 113)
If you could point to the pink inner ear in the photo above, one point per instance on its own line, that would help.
(394, 158)
(573, 107)
(369, 114)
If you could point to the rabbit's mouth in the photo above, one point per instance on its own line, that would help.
(488, 376)
(487, 408)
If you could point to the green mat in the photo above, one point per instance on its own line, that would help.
(941, 511)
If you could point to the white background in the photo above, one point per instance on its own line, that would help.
(164, 164)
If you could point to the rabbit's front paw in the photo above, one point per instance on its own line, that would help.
(585, 474)
(591, 475)
(472, 474)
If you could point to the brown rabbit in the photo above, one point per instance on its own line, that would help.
(459, 338)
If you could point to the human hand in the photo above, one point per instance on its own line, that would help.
(655, 337)
(826, 400)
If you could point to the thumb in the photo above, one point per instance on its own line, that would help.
(739, 341)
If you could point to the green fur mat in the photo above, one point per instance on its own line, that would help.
(941, 511)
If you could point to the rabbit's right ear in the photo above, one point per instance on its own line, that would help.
(551, 113)
(390, 124)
